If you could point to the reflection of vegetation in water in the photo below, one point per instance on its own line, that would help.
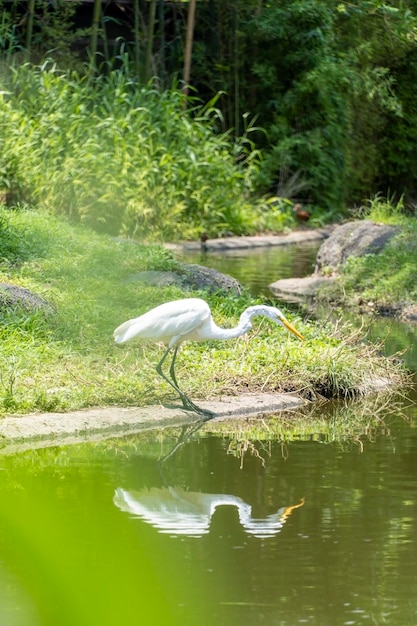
(240, 447)
(390, 335)
(346, 424)
(44, 542)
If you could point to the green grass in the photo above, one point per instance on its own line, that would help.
(66, 359)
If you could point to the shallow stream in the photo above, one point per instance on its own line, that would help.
(317, 529)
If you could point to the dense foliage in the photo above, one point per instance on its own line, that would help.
(331, 83)
(125, 159)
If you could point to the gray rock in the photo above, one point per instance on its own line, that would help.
(296, 289)
(191, 276)
(201, 277)
(352, 239)
(15, 296)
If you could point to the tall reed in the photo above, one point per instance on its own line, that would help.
(125, 158)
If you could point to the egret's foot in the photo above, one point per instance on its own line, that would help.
(190, 406)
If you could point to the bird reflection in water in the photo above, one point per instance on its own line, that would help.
(176, 511)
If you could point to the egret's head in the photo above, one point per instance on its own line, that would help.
(271, 313)
(279, 318)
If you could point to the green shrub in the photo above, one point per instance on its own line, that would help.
(126, 159)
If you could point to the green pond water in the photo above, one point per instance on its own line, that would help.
(318, 528)
(258, 267)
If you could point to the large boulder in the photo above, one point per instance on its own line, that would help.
(352, 239)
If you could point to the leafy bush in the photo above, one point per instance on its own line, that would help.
(127, 159)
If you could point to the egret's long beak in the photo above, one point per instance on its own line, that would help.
(292, 329)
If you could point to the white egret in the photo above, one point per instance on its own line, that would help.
(176, 511)
(190, 319)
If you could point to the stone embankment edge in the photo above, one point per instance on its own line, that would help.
(259, 241)
(39, 430)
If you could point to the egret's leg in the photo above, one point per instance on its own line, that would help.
(172, 368)
(159, 369)
(186, 402)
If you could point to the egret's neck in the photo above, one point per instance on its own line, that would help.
(243, 327)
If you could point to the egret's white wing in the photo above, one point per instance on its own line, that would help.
(171, 319)
(165, 510)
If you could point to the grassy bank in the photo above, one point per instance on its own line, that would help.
(66, 359)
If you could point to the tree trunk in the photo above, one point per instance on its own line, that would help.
(149, 46)
(94, 34)
(136, 36)
(236, 71)
(29, 29)
(188, 46)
